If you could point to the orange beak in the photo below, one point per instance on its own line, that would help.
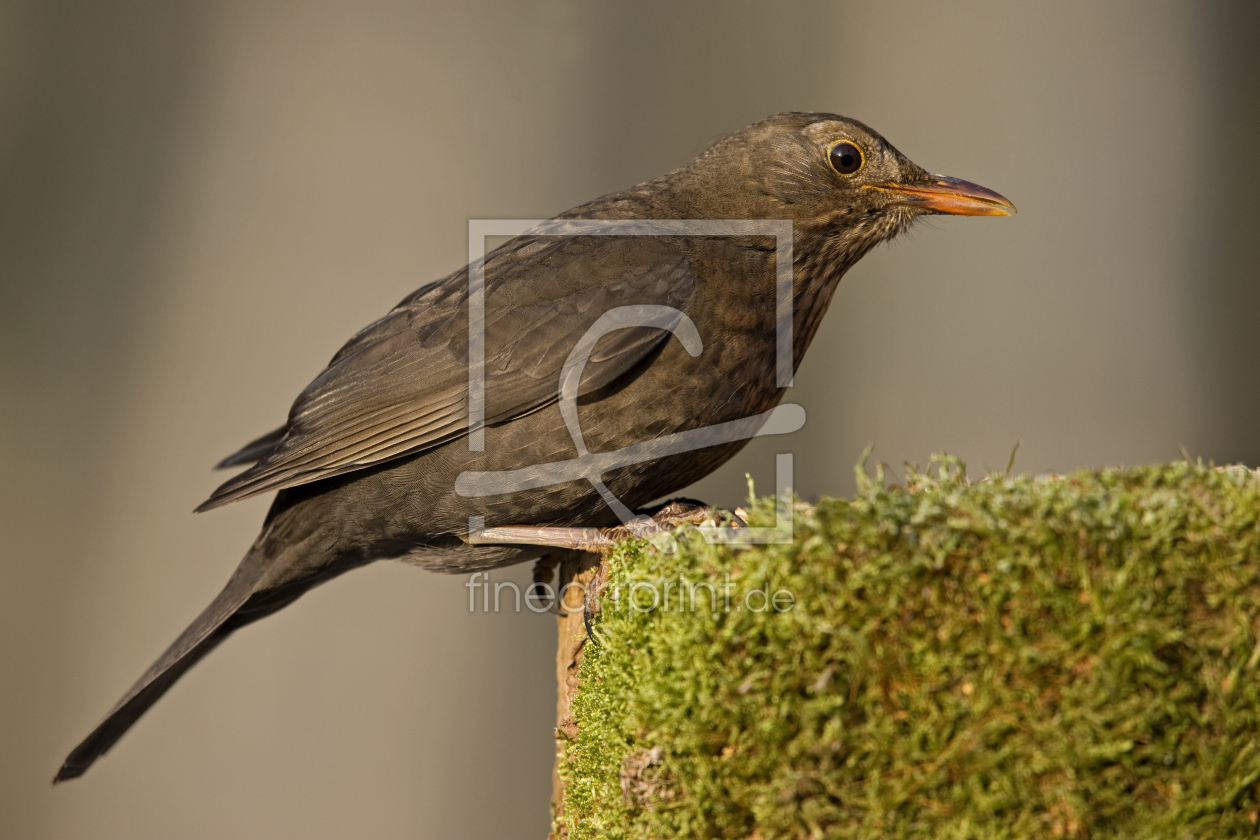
(951, 196)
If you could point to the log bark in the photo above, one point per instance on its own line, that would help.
(576, 574)
(1073, 656)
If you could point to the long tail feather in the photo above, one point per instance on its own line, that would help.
(237, 605)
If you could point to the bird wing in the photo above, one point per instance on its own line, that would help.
(401, 385)
(253, 451)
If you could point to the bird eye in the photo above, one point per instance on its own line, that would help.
(846, 157)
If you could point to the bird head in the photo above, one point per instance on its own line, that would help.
(844, 186)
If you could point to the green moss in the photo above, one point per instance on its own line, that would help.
(1010, 658)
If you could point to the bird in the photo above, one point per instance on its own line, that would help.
(367, 465)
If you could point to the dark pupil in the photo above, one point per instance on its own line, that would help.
(845, 158)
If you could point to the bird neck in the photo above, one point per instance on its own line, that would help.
(822, 251)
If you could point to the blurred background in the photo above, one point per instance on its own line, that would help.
(201, 201)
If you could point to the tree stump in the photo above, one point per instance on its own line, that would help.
(1063, 656)
(576, 573)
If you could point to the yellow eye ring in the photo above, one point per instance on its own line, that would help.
(846, 157)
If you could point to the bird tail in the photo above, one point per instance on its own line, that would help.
(237, 605)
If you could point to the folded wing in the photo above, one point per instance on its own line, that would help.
(401, 385)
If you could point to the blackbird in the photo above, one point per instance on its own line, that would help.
(368, 463)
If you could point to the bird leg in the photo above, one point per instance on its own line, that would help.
(648, 524)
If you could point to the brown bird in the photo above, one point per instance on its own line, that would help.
(631, 344)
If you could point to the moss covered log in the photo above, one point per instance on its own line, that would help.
(1015, 657)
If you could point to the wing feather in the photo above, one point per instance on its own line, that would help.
(400, 386)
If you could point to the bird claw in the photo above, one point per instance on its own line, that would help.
(653, 526)
(587, 614)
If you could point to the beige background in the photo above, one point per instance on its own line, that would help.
(199, 202)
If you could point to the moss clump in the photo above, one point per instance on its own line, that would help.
(1016, 657)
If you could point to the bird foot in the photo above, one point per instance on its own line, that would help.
(654, 525)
